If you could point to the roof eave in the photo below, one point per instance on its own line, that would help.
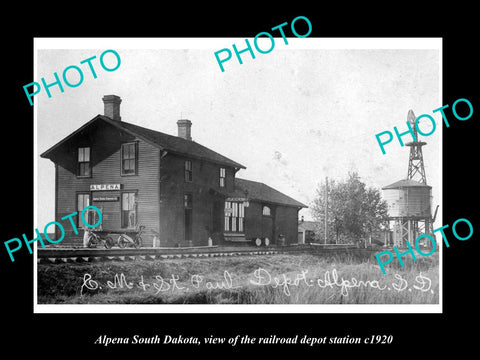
(118, 124)
(232, 164)
(133, 133)
(299, 205)
(114, 123)
(46, 153)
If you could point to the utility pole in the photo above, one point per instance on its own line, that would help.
(326, 207)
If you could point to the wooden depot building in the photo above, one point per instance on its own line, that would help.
(182, 192)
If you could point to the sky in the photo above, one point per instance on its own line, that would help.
(305, 111)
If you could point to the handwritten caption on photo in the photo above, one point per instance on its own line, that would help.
(47, 227)
(261, 277)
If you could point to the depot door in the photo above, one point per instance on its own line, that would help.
(188, 220)
(217, 215)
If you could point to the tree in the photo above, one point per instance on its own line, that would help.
(354, 211)
(335, 211)
(376, 212)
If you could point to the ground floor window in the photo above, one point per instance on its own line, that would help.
(83, 200)
(129, 210)
(234, 216)
(188, 206)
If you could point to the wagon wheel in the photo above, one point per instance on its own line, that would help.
(258, 241)
(108, 242)
(138, 242)
(91, 241)
(122, 242)
(267, 241)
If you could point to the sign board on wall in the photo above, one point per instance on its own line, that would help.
(100, 187)
(105, 198)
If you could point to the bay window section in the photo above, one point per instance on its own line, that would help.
(234, 216)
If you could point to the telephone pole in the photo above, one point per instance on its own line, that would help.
(326, 207)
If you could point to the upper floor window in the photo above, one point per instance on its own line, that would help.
(129, 158)
(222, 177)
(188, 170)
(83, 168)
(266, 211)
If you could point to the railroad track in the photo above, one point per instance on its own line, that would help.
(79, 255)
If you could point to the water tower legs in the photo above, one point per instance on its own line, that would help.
(409, 229)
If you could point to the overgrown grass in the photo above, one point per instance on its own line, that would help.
(269, 279)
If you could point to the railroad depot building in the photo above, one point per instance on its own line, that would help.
(182, 192)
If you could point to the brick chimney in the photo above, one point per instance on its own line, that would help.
(112, 106)
(185, 129)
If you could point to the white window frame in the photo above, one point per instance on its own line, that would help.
(80, 207)
(222, 177)
(188, 169)
(81, 159)
(135, 159)
(234, 219)
(266, 210)
(133, 211)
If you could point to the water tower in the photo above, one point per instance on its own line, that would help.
(410, 200)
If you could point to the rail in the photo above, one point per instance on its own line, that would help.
(64, 255)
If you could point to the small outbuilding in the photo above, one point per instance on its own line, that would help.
(307, 230)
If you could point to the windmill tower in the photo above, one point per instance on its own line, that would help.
(416, 169)
(409, 200)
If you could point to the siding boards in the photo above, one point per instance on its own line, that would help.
(283, 219)
(286, 223)
(160, 186)
(253, 223)
(205, 191)
(105, 142)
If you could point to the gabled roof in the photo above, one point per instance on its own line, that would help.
(253, 190)
(405, 183)
(170, 143)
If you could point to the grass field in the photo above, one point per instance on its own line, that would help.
(267, 279)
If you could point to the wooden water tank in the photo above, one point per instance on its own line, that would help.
(408, 198)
